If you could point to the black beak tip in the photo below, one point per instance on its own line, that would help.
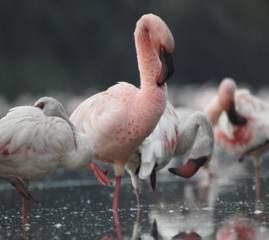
(170, 65)
(235, 118)
(173, 171)
(167, 66)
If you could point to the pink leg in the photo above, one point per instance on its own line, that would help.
(258, 183)
(116, 208)
(25, 217)
(100, 174)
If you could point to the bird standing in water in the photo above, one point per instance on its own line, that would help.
(120, 118)
(35, 141)
(244, 128)
(180, 132)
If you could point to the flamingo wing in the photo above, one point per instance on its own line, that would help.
(94, 116)
(25, 131)
(252, 137)
(159, 147)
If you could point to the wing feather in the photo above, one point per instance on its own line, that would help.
(155, 150)
(27, 129)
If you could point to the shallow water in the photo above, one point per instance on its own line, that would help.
(82, 210)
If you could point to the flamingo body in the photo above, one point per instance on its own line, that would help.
(114, 129)
(252, 137)
(180, 132)
(33, 145)
(34, 142)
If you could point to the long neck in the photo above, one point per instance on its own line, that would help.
(213, 111)
(149, 63)
(151, 101)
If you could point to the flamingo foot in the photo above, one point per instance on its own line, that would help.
(116, 208)
(20, 186)
(190, 168)
(100, 174)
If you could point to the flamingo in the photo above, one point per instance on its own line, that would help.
(243, 128)
(179, 132)
(35, 141)
(119, 119)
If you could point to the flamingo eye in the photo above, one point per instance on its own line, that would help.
(40, 105)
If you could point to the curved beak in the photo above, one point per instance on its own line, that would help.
(190, 168)
(235, 118)
(167, 67)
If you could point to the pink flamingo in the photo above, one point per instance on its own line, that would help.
(35, 141)
(120, 118)
(244, 129)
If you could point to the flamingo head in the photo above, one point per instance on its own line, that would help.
(162, 41)
(52, 107)
(226, 93)
(189, 168)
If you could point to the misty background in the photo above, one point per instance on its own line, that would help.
(73, 46)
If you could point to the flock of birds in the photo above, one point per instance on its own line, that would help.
(131, 128)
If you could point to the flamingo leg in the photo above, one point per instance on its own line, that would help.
(100, 174)
(258, 183)
(25, 217)
(20, 185)
(116, 208)
(137, 204)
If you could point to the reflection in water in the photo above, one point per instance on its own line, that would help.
(222, 210)
(193, 216)
(242, 228)
(187, 236)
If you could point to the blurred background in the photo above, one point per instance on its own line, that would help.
(73, 49)
(80, 47)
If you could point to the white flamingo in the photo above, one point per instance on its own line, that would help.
(35, 141)
(180, 132)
